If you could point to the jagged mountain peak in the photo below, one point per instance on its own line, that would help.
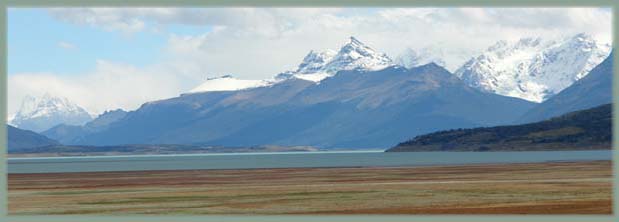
(46, 105)
(41, 113)
(316, 66)
(355, 41)
(357, 55)
(353, 55)
(314, 61)
(354, 45)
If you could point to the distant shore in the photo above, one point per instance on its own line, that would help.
(525, 188)
(149, 149)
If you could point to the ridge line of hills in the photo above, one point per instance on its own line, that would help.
(589, 129)
(530, 68)
(358, 108)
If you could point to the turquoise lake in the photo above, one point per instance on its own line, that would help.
(286, 160)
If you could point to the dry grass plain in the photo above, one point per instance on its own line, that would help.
(533, 188)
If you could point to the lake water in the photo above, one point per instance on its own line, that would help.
(284, 160)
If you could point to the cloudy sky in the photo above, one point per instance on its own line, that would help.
(108, 58)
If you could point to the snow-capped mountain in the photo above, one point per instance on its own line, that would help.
(316, 66)
(228, 83)
(315, 61)
(352, 109)
(595, 89)
(532, 68)
(40, 114)
(354, 55)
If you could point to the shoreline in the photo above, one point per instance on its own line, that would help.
(435, 165)
(83, 155)
(289, 160)
(45, 156)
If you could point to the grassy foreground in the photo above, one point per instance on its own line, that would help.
(535, 188)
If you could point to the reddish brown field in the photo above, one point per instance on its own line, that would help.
(536, 188)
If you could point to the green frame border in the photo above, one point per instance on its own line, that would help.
(4, 4)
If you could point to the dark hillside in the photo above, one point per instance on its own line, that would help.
(581, 130)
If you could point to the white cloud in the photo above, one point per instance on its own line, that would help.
(256, 20)
(388, 28)
(277, 22)
(111, 19)
(109, 86)
(66, 45)
(274, 40)
(257, 43)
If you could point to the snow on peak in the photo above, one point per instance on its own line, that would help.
(228, 83)
(316, 66)
(533, 69)
(354, 55)
(46, 105)
(315, 61)
(44, 112)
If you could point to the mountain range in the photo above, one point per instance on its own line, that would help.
(578, 118)
(530, 68)
(363, 102)
(354, 97)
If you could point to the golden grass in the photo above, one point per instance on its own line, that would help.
(536, 188)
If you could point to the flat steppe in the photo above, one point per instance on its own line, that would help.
(532, 188)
